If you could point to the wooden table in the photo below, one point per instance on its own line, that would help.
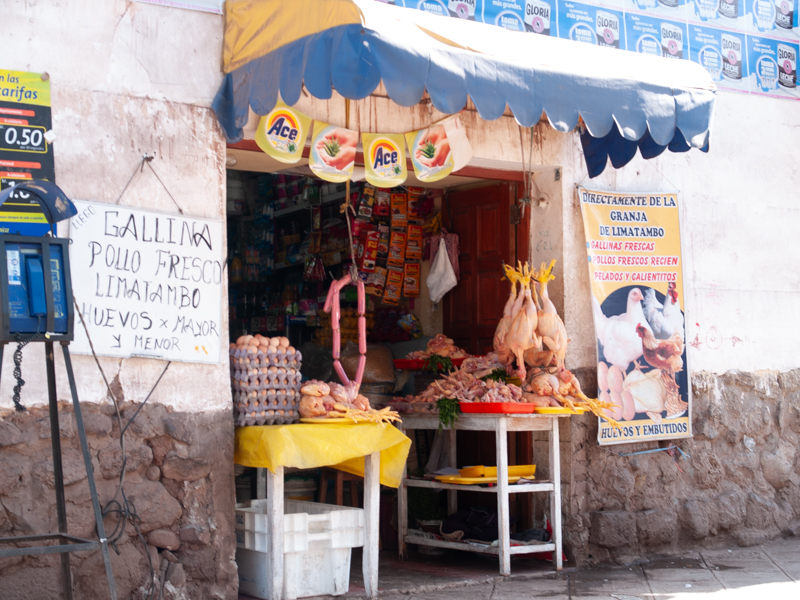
(501, 425)
(271, 486)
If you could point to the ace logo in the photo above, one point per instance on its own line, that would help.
(282, 133)
(386, 159)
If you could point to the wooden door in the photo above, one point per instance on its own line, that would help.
(481, 218)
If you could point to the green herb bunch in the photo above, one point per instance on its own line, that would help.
(292, 147)
(498, 374)
(428, 150)
(439, 364)
(332, 147)
(449, 409)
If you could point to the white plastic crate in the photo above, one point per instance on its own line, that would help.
(317, 539)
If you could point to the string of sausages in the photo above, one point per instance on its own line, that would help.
(332, 306)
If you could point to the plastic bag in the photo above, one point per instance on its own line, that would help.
(442, 278)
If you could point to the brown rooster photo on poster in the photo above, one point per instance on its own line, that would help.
(641, 350)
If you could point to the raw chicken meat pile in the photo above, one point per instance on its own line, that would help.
(334, 400)
(466, 385)
(440, 345)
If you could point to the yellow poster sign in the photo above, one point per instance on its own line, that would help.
(282, 133)
(384, 159)
(333, 152)
(635, 267)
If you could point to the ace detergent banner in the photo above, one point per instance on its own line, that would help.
(282, 133)
(384, 159)
(635, 268)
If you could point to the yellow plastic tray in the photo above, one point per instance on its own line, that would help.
(552, 410)
(472, 480)
(526, 471)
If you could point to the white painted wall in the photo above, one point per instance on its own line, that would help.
(126, 78)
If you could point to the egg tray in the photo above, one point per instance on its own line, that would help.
(244, 359)
(266, 381)
(267, 411)
(274, 397)
(248, 420)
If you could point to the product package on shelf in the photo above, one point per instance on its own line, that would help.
(265, 377)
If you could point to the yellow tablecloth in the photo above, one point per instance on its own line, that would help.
(339, 445)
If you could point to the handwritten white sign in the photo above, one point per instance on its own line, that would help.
(148, 284)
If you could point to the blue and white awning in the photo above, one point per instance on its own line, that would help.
(627, 101)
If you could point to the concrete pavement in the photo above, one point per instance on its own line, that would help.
(768, 572)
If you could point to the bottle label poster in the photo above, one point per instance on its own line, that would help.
(635, 268)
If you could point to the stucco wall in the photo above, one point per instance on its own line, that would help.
(126, 79)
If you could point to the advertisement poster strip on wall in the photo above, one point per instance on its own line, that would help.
(635, 267)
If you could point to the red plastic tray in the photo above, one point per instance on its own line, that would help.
(497, 407)
(415, 364)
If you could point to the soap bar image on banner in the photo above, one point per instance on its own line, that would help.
(723, 54)
(656, 36)
(384, 159)
(773, 67)
(282, 133)
(333, 152)
(534, 16)
(591, 25)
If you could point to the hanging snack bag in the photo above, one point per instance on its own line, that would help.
(397, 248)
(370, 252)
(414, 243)
(394, 284)
(399, 210)
(411, 280)
(382, 207)
(376, 282)
(414, 195)
(383, 242)
(365, 203)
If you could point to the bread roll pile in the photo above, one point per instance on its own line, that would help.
(265, 375)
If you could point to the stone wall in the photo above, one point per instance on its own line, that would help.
(179, 477)
(740, 486)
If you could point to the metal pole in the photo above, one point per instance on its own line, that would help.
(58, 472)
(87, 461)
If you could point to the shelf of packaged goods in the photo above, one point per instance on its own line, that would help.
(329, 199)
(517, 488)
(479, 548)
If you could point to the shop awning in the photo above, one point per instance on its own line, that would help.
(625, 100)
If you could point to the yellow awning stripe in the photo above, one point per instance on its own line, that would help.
(254, 28)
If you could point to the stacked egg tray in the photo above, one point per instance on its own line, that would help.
(266, 386)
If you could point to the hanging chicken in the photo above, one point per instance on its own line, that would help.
(521, 334)
(550, 327)
(511, 309)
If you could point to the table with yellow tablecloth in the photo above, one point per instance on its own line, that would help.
(339, 445)
(374, 451)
